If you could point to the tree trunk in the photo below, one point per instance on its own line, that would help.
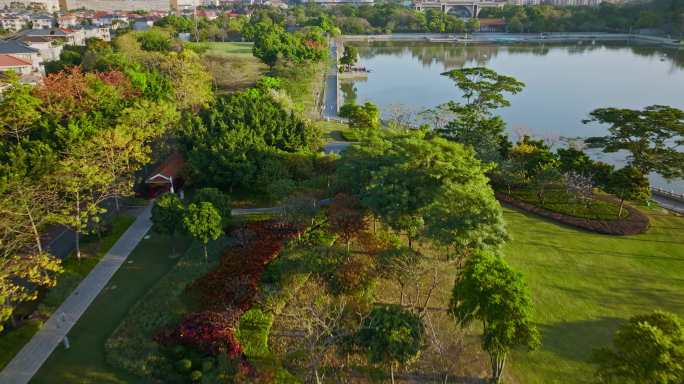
(206, 255)
(622, 204)
(35, 229)
(392, 372)
(498, 364)
(116, 202)
(78, 244)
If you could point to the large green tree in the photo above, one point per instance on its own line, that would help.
(488, 290)
(422, 185)
(168, 213)
(652, 136)
(648, 349)
(391, 336)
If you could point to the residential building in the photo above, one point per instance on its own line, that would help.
(42, 21)
(13, 22)
(118, 5)
(97, 32)
(18, 65)
(68, 20)
(22, 51)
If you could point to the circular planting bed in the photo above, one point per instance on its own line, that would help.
(633, 224)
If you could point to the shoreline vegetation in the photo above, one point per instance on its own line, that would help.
(516, 38)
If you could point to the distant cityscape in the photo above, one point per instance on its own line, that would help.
(168, 5)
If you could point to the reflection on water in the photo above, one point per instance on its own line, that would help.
(564, 81)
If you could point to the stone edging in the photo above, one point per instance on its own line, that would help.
(633, 224)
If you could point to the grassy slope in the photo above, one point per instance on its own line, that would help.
(75, 270)
(84, 362)
(584, 285)
(231, 64)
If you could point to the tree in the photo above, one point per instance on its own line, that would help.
(364, 117)
(18, 108)
(475, 124)
(648, 349)
(345, 217)
(391, 335)
(349, 57)
(483, 87)
(168, 212)
(203, 223)
(488, 290)
(218, 199)
(82, 186)
(472, 25)
(628, 183)
(425, 186)
(651, 136)
(21, 275)
(547, 176)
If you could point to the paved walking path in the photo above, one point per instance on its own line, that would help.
(27, 362)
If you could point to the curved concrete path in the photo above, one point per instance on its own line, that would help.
(27, 362)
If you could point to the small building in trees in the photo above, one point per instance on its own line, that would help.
(167, 177)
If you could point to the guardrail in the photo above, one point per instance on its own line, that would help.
(669, 194)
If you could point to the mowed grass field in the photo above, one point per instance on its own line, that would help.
(585, 285)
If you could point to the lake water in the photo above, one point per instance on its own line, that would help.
(564, 82)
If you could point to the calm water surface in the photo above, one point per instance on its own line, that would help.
(563, 82)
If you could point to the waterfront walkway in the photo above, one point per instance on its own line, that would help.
(27, 362)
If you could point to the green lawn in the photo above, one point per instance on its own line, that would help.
(84, 362)
(584, 285)
(232, 48)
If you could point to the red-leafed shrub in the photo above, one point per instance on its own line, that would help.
(233, 284)
(207, 332)
(227, 292)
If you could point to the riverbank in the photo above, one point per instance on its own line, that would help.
(513, 38)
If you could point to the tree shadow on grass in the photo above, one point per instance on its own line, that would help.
(575, 340)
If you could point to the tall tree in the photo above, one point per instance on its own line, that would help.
(628, 183)
(220, 201)
(203, 223)
(392, 336)
(648, 349)
(82, 186)
(651, 136)
(475, 124)
(488, 290)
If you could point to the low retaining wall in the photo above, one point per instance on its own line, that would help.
(634, 224)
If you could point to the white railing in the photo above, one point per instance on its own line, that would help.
(670, 194)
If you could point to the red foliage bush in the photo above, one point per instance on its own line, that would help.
(227, 292)
(234, 283)
(207, 332)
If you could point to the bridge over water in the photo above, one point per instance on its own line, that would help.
(470, 8)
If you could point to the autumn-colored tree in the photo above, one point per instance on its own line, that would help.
(345, 217)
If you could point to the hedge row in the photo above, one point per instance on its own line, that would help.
(635, 223)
